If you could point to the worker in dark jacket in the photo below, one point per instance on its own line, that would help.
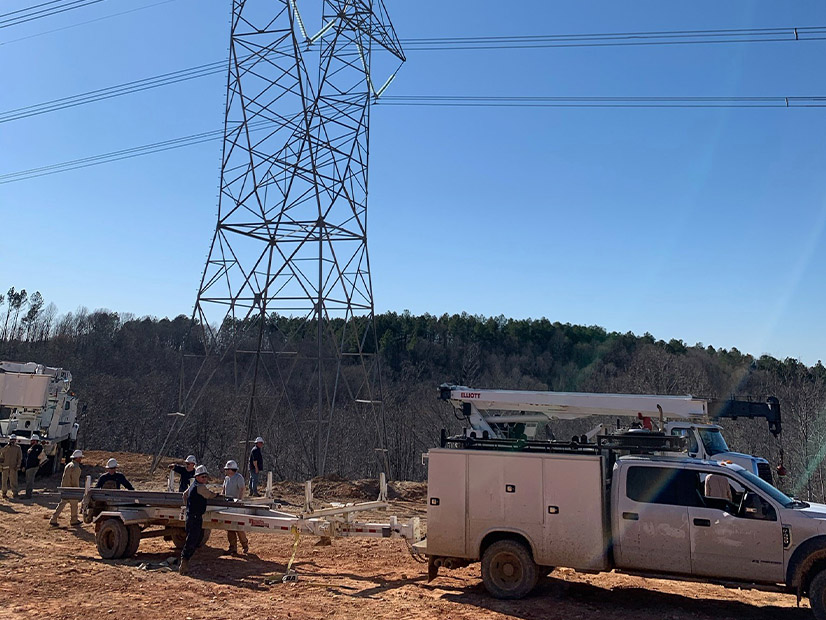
(196, 498)
(185, 471)
(32, 463)
(256, 465)
(113, 479)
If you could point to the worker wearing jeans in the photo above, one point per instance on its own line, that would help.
(196, 498)
(256, 465)
(32, 463)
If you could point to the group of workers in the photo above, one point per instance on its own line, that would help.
(13, 461)
(192, 483)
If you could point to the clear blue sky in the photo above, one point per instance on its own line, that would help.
(705, 225)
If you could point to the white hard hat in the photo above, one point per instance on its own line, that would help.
(259, 440)
(231, 465)
(77, 454)
(111, 464)
(191, 459)
(201, 470)
(12, 437)
(35, 437)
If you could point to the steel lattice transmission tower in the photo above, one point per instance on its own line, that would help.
(285, 310)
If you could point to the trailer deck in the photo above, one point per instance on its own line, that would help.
(122, 518)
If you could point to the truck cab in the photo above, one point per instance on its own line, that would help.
(706, 442)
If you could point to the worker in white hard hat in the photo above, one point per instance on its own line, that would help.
(11, 460)
(256, 465)
(196, 498)
(31, 463)
(113, 479)
(71, 478)
(185, 471)
(234, 487)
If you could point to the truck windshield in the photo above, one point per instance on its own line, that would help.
(777, 495)
(713, 440)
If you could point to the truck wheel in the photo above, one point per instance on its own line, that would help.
(508, 570)
(112, 538)
(817, 595)
(134, 532)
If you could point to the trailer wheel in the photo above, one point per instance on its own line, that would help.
(817, 595)
(508, 570)
(134, 532)
(179, 537)
(112, 537)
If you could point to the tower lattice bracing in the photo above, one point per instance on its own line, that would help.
(284, 344)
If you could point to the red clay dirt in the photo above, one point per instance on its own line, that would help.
(56, 573)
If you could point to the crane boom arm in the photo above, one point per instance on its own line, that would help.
(540, 406)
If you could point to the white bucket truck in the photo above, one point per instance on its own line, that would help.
(523, 507)
(38, 399)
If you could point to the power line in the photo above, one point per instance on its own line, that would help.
(39, 11)
(83, 23)
(604, 102)
(441, 101)
(662, 37)
(812, 33)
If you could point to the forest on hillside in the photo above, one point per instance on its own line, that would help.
(126, 370)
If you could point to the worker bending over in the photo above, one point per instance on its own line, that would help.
(71, 478)
(196, 498)
(113, 479)
(234, 487)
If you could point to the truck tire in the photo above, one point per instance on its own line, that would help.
(508, 570)
(112, 537)
(817, 595)
(134, 540)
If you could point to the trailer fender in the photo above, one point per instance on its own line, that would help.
(128, 517)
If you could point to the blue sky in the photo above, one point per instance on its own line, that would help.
(705, 225)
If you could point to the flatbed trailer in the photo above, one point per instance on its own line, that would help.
(123, 518)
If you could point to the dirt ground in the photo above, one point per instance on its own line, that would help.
(57, 573)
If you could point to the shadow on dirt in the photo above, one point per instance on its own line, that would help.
(574, 599)
(214, 565)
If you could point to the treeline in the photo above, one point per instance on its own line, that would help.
(127, 370)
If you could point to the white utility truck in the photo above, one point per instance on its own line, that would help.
(38, 399)
(517, 413)
(523, 507)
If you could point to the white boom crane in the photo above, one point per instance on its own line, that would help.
(501, 414)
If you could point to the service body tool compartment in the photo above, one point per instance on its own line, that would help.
(553, 501)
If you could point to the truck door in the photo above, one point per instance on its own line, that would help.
(650, 519)
(739, 540)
